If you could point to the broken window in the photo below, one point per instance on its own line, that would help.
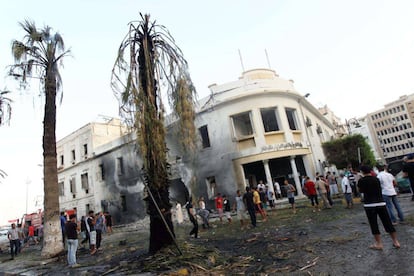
(123, 203)
(72, 183)
(85, 182)
(269, 119)
(61, 188)
(291, 117)
(102, 171)
(73, 157)
(211, 187)
(120, 165)
(242, 124)
(204, 136)
(85, 150)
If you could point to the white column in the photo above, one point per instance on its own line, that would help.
(269, 177)
(296, 175)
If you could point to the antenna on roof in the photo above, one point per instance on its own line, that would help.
(241, 60)
(267, 58)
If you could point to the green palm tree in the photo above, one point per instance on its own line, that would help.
(5, 107)
(40, 55)
(150, 68)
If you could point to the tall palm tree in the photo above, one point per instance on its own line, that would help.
(40, 55)
(150, 68)
(5, 107)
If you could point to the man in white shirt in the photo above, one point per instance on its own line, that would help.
(389, 194)
(13, 236)
(347, 190)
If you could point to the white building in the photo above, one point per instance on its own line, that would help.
(257, 128)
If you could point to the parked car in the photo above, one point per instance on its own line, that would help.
(403, 183)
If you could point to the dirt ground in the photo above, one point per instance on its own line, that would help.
(331, 242)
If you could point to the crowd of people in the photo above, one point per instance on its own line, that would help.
(377, 190)
(89, 229)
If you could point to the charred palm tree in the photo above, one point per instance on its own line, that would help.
(150, 68)
(5, 107)
(40, 55)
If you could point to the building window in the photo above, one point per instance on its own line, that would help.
(123, 203)
(120, 165)
(61, 188)
(73, 157)
(102, 171)
(85, 182)
(62, 160)
(291, 116)
(211, 187)
(269, 119)
(242, 124)
(204, 136)
(72, 183)
(87, 208)
(85, 150)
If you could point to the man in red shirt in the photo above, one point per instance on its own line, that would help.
(311, 192)
(219, 206)
(31, 235)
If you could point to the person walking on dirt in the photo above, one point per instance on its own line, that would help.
(310, 188)
(375, 206)
(249, 203)
(227, 208)
(389, 194)
(192, 217)
(240, 208)
(258, 204)
(13, 236)
(71, 231)
(347, 191)
(219, 206)
(322, 187)
(290, 192)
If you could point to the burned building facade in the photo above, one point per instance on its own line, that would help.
(256, 128)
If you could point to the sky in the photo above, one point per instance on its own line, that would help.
(353, 56)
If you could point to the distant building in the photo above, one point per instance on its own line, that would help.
(392, 128)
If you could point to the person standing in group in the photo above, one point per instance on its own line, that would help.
(99, 226)
(62, 225)
(219, 206)
(203, 212)
(240, 208)
(84, 231)
(310, 189)
(278, 192)
(322, 187)
(22, 237)
(408, 171)
(375, 206)
(347, 191)
(249, 203)
(90, 226)
(389, 194)
(258, 204)
(333, 183)
(193, 218)
(227, 208)
(108, 222)
(31, 235)
(71, 231)
(13, 236)
(290, 193)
